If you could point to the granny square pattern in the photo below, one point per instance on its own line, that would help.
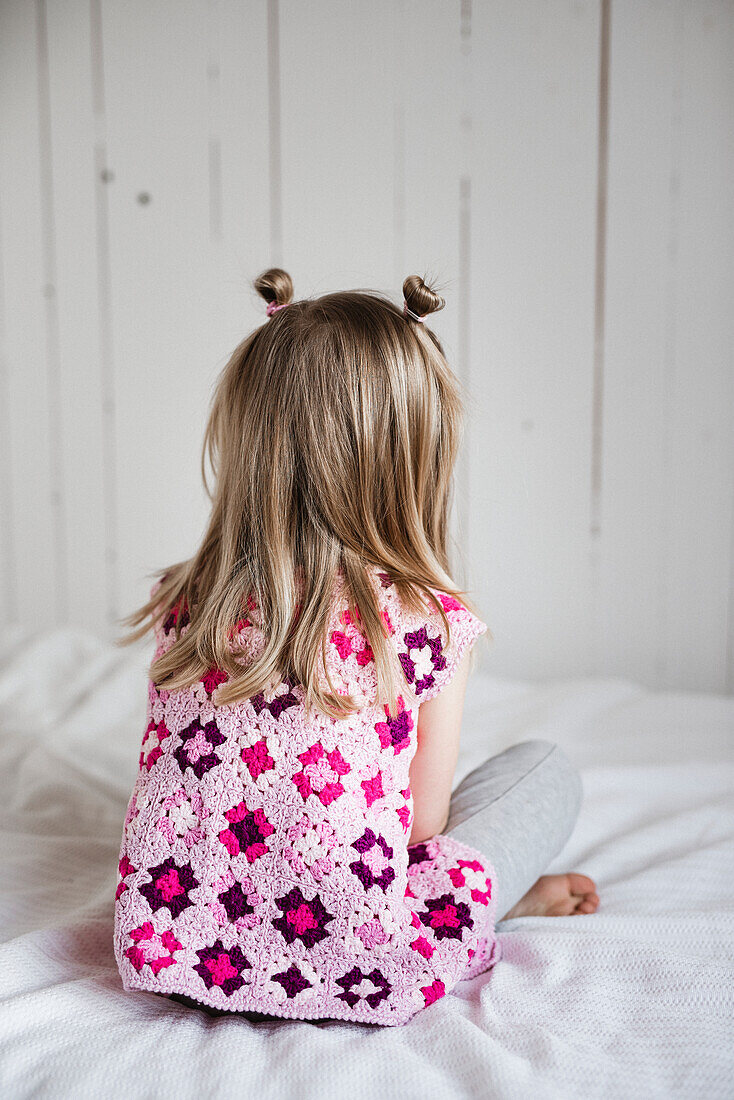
(373, 868)
(222, 967)
(421, 659)
(169, 887)
(302, 919)
(247, 832)
(321, 774)
(265, 862)
(196, 750)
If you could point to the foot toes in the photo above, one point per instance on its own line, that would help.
(580, 884)
(589, 903)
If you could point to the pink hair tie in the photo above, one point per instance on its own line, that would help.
(414, 316)
(273, 307)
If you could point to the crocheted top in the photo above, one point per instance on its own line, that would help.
(264, 863)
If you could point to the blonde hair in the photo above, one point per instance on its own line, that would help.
(332, 435)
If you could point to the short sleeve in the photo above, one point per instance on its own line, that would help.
(429, 658)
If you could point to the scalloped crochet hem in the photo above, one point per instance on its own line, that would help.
(286, 1012)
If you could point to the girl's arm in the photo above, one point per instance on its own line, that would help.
(432, 768)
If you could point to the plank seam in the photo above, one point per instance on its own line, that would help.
(51, 311)
(600, 273)
(104, 291)
(274, 133)
(464, 279)
(10, 571)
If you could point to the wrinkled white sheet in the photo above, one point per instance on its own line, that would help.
(634, 1001)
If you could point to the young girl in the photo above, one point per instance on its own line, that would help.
(292, 847)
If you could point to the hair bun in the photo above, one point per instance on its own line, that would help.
(275, 285)
(420, 298)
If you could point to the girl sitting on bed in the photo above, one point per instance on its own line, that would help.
(292, 846)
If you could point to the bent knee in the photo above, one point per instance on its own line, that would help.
(553, 760)
(567, 776)
(533, 752)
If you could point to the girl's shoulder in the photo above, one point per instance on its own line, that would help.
(427, 651)
(428, 615)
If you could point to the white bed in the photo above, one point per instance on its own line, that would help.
(634, 1001)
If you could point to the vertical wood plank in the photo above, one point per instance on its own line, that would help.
(8, 558)
(729, 648)
(669, 388)
(462, 508)
(37, 591)
(79, 389)
(275, 115)
(104, 176)
(338, 144)
(535, 75)
(694, 637)
(430, 168)
(238, 37)
(427, 127)
(643, 222)
(171, 287)
(155, 61)
(58, 474)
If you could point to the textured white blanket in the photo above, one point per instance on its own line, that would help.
(636, 1000)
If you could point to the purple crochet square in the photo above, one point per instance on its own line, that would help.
(222, 966)
(302, 919)
(169, 887)
(371, 861)
(196, 750)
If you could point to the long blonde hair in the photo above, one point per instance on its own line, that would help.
(332, 436)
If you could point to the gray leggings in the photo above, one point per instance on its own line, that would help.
(519, 809)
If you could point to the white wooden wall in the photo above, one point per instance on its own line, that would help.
(564, 167)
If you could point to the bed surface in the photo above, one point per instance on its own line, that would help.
(636, 1000)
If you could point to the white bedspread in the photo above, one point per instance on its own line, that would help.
(636, 1000)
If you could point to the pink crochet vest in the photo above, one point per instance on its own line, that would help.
(264, 863)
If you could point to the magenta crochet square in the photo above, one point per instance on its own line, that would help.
(264, 863)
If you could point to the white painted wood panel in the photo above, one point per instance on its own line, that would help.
(240, 124)
(430, 172)
(702, 400)
(355, 144)
(156, 122)
(79, 367)
(645, 55)
(338, 147)
(535, 72)
(172, 329)
(427, 117)
(35, 589)
(668, 466)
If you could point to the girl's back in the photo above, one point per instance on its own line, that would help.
(265, 863)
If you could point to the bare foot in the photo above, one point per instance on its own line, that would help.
(557, 896)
